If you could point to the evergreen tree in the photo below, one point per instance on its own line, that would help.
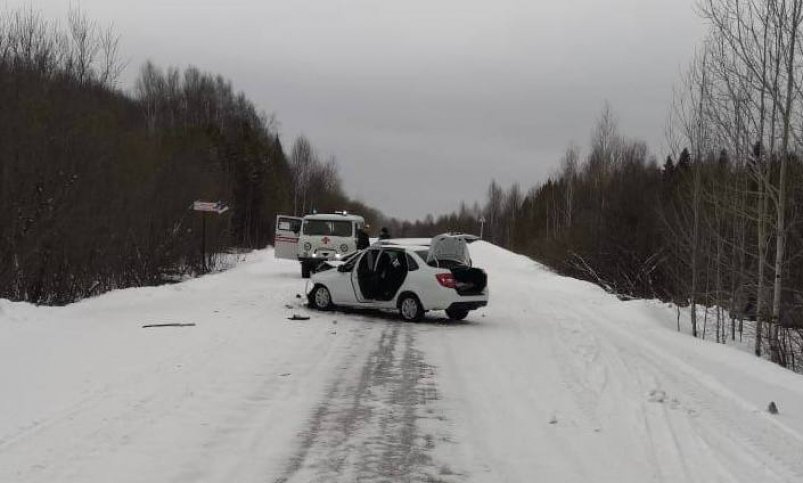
(684, 161)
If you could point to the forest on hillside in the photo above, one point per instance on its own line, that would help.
(96, 184)
(716, 226)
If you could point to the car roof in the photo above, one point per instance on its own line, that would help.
(405, 242)
(334, 217)
(406, 247)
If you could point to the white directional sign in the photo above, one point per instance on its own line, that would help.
(217, 207)
(210, 206)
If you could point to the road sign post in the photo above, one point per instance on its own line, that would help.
(204, 268)
(482, 226)
(204, 207)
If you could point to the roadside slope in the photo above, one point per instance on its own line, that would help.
(559, 380)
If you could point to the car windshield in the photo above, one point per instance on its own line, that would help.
(328, 228)
(349, 258)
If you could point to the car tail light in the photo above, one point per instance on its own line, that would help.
(447, 280)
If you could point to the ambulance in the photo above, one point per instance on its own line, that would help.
(316, 238)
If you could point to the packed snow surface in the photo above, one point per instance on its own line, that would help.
(556, 381)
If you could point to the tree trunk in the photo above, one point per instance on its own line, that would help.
(780, 241)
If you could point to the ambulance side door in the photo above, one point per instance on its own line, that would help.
(285, 241)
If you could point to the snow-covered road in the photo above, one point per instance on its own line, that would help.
(554, 381)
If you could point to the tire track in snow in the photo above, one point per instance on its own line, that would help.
(366, 428)
(107, 419)
(679, 403)
(731, 430)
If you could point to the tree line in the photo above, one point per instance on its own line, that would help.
(96, 183)
(716, 226)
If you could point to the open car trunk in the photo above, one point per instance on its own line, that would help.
(446, 250)
(470, 280)
(451, 251)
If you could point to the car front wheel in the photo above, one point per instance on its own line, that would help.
(321, 298)
(410, 308)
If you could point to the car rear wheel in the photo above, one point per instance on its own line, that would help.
(456, 314)
(320, 298)
(410, 308)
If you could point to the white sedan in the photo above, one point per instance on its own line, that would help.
(412, 279)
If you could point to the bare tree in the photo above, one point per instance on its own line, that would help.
(789, 15)
(493, 210)
(569, 166)
(302, 160)
(111, 66)
(84, 44)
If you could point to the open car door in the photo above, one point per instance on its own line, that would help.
(285, 242)
(363, 277)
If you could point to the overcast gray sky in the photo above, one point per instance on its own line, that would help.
(423, 102)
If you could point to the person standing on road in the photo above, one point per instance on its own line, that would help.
(362, 239)
(384, 234)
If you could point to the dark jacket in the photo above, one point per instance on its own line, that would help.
(362, 239)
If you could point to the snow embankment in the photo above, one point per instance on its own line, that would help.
(560, 380)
